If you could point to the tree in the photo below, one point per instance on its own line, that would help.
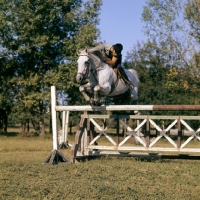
(152, 67)
(167, 62)
(192, 9)
(165, 22)
(39, 41)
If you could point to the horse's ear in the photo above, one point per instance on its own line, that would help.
(87, 50)
(78, 52)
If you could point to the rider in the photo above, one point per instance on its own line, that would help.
(113, 57)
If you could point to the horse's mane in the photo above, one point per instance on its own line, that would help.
(97, 53)
(95, 57)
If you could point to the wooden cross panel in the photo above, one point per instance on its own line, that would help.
(144, 145)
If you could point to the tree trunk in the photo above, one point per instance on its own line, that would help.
(50, 124)
(42, 128)
(36, 126)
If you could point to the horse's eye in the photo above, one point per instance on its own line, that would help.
(87, 64)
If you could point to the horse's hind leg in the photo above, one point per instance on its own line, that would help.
(134, 95)
(134, 98)
(103, 90)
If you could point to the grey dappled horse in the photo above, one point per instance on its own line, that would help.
(102, 80)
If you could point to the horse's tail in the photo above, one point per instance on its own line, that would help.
(134, 72)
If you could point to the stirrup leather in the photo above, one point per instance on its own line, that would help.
(119, 76)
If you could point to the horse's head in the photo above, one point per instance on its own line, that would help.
(87, 62)
(83, 65)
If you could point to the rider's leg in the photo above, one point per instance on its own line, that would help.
(121, 69)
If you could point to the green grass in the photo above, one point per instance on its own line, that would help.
(22, 175)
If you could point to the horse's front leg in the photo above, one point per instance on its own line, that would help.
(83, 89)
(101, 90)
(96, 94)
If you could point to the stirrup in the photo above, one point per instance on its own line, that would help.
(127, 82)
(131, 86)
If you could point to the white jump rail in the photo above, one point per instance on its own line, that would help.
(85, 145)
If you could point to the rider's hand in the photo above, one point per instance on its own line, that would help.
(103, 59)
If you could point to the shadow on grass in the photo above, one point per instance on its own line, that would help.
(9, 134)
(138, 157)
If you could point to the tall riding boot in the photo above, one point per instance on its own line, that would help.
(121, 69)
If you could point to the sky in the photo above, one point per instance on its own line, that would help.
(120, 22)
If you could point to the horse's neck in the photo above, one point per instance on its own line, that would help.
(95, 61)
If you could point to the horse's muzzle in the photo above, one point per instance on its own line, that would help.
(79, 78)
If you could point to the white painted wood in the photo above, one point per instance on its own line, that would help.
(109, 138)
(186, 125)
(132, 133)
(128, 107)
(137, 128)
(198, 137)
(66, 127)
(95, 139)
(99, 108)
(103, 132)
(171, 125)
(109, 125)
(169, 139)
(54, 118)
(97, 125)
(125, 139)
(63, 126)
(155, 140)
(163, 133)
(145, 149)
(198, 130)
(155, 125)
(187, 141)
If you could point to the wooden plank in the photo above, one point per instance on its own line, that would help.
(155, 125)
(127, 107)
(176, 107)
(187, 141)
(104, 108)
(100, 116)
(54, 118)
(171, 125)
(174, 117)
(95, 139)
(145, 149)
(103, 132)
(186, 125)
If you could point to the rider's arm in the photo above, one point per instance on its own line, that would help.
(112, 61)
(97, 48)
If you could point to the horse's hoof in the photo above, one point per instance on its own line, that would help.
(92, 101)
(98, 103)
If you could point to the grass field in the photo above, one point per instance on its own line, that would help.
(22, 175)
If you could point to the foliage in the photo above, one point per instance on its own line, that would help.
(38, 49)
(165, 22)
(168, 63)
(192, 15)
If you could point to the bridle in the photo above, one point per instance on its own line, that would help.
(86, 71)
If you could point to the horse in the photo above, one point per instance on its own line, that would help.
(102, 80)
